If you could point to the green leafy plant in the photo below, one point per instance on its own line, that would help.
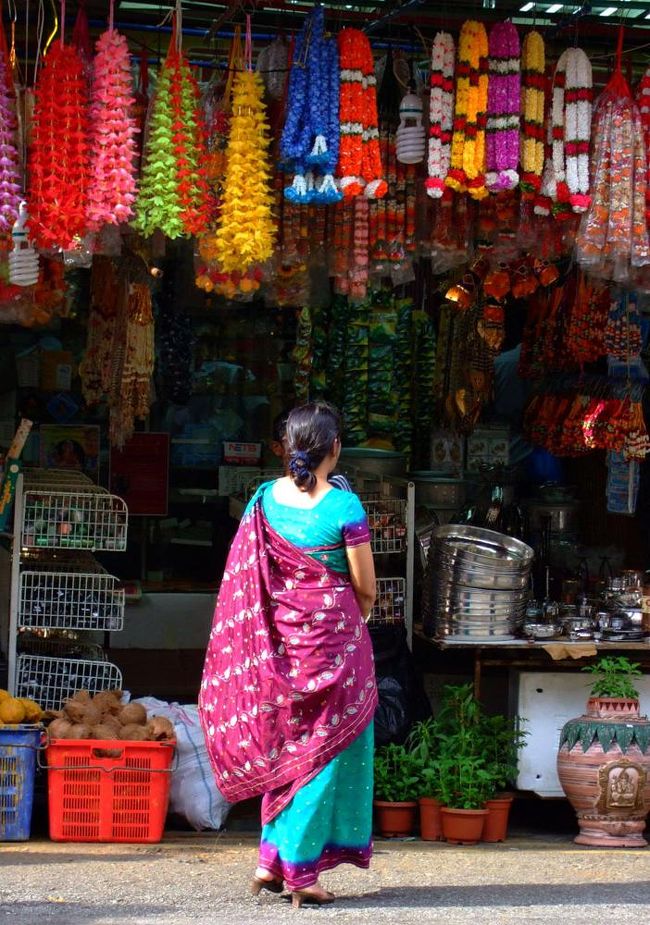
(462, 756)
(615, 677)
(396, 774)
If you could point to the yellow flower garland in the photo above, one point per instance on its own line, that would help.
(246, 230)
(533, 63)
(467, 164)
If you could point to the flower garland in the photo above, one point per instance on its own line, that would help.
(246, 231)
(173, 195)
(533, 61)
(577, 125)
(504, 103)
(10, 187)
(553, 194)
(112, 134)
(441, 112)
(310, 135)
(467, 161)
(643, 102)
(58, 163)
(360, 167)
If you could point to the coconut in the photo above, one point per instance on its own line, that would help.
(92, 715)
(83, 696)
(101, 731)
(59, 729)
(112, 723)
(134, 732)
(133, 713)
(75, 710)
(79, 731)
(160, 728)
(107, 702)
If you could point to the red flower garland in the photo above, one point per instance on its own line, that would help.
(190, 146)
(58, 159)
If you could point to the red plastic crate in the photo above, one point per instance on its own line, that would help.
(108, 790)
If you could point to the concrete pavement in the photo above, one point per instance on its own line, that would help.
(203, 880)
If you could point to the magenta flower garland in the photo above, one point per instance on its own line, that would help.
(111, 191)
(10, 190)
(504, 107)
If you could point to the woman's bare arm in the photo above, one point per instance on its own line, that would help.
(362, 575)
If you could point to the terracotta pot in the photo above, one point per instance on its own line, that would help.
(395, 820)
(430, 823)
(496, 822)
(462, 826)
(608, 782)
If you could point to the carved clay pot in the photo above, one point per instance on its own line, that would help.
(604, 768)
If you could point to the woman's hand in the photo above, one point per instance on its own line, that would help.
(362, 576)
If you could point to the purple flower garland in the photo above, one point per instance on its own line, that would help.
(504, 104)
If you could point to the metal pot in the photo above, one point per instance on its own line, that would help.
(559, 515)
(377, 462)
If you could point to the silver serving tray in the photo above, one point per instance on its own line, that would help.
(484, 542)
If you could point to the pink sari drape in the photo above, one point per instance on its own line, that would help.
(288, 680)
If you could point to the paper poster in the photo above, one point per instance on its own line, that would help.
(70, 446)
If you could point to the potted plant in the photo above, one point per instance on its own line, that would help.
(396, 784)
(424, 746)
(604, 759)
(503, 739)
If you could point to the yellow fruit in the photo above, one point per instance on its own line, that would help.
(12, 711)
(4, 695)
(32, 710)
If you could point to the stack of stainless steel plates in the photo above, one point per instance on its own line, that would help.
(480, 582)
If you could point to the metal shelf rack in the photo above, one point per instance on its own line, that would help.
(58, 587)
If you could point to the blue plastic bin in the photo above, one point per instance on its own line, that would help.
(18, 747)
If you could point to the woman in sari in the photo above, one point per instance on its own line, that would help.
(288, 690)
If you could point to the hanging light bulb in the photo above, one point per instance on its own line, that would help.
(23, 259)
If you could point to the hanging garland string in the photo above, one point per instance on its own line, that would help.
(441, 113)
(360, 167)
(10, 185)
(58, 160)
(577, 127)
(246, 231)
(173, 195)
(113, 150)
(533, 61)
(504, 104)
(467, 165)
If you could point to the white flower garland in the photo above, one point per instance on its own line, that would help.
(441, 112)
(577, 127)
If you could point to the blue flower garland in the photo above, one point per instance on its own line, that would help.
(310, 138)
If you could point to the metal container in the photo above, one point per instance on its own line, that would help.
(376, 462)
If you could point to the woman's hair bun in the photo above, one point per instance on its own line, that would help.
(300, 469)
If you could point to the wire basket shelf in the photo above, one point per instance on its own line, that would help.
(54, 598)
(49, 681)
(387, 522)
(389, 607)
(60, 646)
(90, 518)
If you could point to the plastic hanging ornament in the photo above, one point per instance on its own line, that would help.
(23, 259)
(410, 139)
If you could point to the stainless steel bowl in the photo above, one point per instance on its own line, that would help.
(485, 542)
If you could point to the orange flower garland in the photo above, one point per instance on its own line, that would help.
(360, 167)
(467, 166)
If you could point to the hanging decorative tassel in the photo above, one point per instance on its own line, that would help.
(467, 163)
(533, 62)
(112, 135)
(504, 104)
(10, 187)
(441, 113)
(58, 162)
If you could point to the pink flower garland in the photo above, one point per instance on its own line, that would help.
(112, 186)
(9, 166)
(441, 112)
(504, 104)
